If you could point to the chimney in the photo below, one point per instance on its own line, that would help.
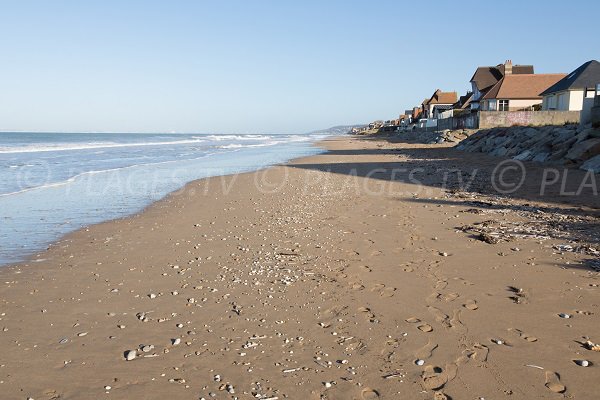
(508, 67)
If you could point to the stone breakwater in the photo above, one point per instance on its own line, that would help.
(437, 137)
(568, 145)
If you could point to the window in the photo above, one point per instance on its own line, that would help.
(492, 105)
(503, 105)
(551, 102)
(562, 103)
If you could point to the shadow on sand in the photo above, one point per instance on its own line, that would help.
(565, 199)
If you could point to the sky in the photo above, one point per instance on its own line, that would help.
(263, 66)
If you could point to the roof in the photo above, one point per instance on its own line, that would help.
(486, 77)
(440, 97)
(522, 86)
(464, 101)
(586, 76)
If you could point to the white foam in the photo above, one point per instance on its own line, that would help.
(37, 148)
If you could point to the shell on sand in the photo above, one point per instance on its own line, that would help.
(592, 346)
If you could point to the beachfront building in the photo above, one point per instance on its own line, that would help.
(438, 103)
(575, 92)
(464, 102)
(485, 78)
(519, 92)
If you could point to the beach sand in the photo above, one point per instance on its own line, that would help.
(335, 276)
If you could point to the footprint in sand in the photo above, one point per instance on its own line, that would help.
(368, 393)
(433, 297)
(426, 351)
(523, 335)
(471, 305)
(481, 352)
(456, 323)
(331, 313)
(440, 285)
(451, 297)
(368, 313)
(440, 396)
(440, 317)
(553, 382)
(425, 328)
(356, 286)
(383, 290)
(377, 287)
(412, 320)
(433, 378)
(365, 268)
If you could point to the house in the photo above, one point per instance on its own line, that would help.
(485, 78)
(464, 102)
(438, 103)
(575, 92)
(416, 113)
(424, 108)
(518, 92)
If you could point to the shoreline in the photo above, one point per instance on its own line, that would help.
(31, 258)
(326, 277)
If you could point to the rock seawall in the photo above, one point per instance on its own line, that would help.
(568, 145)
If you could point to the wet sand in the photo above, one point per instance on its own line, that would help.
(370, 271)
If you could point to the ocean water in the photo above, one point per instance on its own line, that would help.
(54, 183)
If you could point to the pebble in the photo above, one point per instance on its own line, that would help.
(420, 362)
(563, 315)
(497, 341)
(147, 348)
(82, 334)
(327, 384)
(130, 355)
(582, 363)
(176, 341)
(107, 387)
(152, 295)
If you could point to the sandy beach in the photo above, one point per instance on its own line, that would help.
(379, 269)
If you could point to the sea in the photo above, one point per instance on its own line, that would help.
(54, 183)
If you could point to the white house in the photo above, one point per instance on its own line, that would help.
(575, 92)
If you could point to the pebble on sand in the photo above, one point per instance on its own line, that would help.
(130, 355)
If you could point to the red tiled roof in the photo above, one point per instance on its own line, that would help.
(522, 86)
(440, 97)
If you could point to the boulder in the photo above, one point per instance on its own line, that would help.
(584, 150)
(593, 164)
(523, 156)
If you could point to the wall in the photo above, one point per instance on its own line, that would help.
(492, 119)
(586, 111)
(575, 100)
(465, 120)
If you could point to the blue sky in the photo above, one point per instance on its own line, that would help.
(263, 66)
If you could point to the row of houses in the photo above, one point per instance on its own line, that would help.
(515, 90)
